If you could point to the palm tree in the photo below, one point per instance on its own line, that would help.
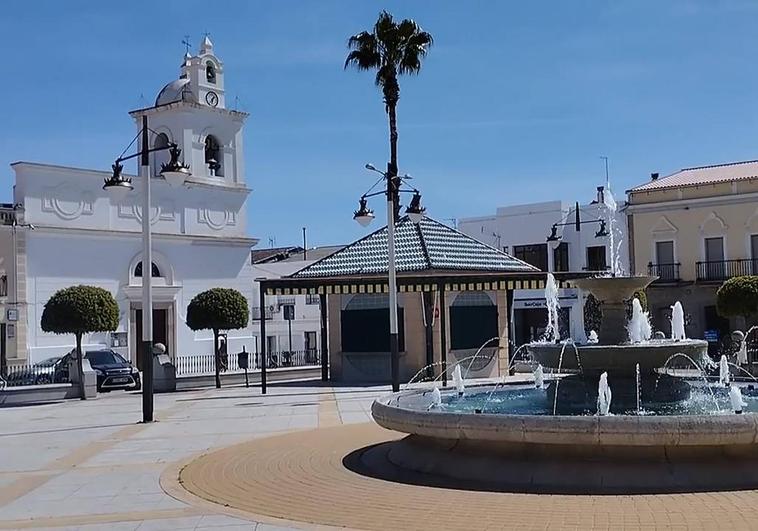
(391, 49)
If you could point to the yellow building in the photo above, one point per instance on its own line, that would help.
(694, 229)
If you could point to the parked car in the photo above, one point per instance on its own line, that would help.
(42, 372)
(113, 371)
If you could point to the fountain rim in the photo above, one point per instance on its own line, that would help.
(562, 430)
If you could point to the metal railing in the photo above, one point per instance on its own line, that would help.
(664, 272)
(716, 270)
(22, 375)
(255, 313)
(282, 301)
(203, 364)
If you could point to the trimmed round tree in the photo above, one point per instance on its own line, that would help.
(738, 297)
(218, 309)
(80, 310)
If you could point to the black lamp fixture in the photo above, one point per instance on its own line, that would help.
(415, 211)
(175, 171)
(117, 184)
(603, 232)
(363, 215)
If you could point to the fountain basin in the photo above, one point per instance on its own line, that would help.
(623, 453)
(595, 358)
(588, 434)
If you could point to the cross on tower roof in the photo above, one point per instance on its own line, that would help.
(186, 42)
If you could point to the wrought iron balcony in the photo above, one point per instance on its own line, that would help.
(664, 272)
(718, 270)
(255, 313)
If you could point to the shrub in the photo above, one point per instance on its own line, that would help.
(738, 297)
(218, 309)
(80, 310)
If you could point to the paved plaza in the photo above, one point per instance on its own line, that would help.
(91, 465)
(232, 459)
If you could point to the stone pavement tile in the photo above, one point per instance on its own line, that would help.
(269, 527)
(170, 524)
(221, 520)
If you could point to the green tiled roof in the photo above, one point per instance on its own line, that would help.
(430, 245)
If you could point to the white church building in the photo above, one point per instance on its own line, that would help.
(64, 229)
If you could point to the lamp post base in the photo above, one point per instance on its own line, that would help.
(147, 384)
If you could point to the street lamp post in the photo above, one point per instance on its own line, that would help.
(364, 216)
(175, 173)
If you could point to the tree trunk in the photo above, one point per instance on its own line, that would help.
(80, 366)
(392, 168)
(216, 359)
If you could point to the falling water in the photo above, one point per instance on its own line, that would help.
(539, 377)
(603, 395)
(724, 371)
(552, 332)
(558, 371)
(592, 338)
(458, 380)
(639, 389)
(697, 366)
(677, 322)
(639, 326)
(744, 371)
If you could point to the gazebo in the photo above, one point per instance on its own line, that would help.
(454, 295)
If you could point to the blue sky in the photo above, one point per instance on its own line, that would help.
(516, 102)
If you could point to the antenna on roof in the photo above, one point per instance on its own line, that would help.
(272, 241)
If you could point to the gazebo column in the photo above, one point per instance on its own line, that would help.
(428, 310)
(324, 338)
(504, 301)
(443, 332)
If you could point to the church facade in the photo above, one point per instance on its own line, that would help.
(70, 231)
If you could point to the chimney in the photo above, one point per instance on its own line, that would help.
(654, 176)
(600, 194)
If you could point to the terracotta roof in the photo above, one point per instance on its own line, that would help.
(718, 173)
(430, 245)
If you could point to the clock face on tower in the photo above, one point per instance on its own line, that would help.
(212, 98)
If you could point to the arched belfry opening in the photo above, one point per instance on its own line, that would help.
(210, 72)
(213, 156)
(160, 157)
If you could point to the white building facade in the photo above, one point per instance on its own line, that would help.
(74, 232)
(523, 231)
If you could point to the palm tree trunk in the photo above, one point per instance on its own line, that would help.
(80, 366)
(392, 168)
(216, 359)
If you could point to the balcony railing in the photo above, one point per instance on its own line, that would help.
(664, 272)
(718, 270)
(255, 313)
(283, 301)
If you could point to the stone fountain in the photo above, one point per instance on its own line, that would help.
(615, 354)
(653, 433)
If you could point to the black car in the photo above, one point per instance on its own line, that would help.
(113, 371)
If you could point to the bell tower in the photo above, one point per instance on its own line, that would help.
(206, 75)
(191, 112)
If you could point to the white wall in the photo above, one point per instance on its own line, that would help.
(59, 260)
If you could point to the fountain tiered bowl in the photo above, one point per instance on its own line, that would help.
(664, 433)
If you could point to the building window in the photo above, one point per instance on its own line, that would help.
(213, 156)
(473, 320)
(4, 286)
(210, 72)
(311, 347)
(561, 257)
(665, 265)
(138, 271)
(365, 324)
(715, 267)
(596, 258)
(535, 255)
(754, 254)
(160, 157)
(311, 298)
